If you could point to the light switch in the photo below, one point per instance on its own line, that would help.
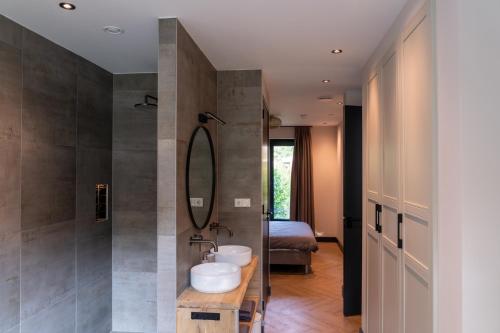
(196, 202)
(242, 202)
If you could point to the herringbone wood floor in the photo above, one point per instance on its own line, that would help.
(311, 303)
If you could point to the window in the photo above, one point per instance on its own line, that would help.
(281, 176)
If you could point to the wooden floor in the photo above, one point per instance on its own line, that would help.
(310, 303)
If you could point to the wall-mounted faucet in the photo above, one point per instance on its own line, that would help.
(218, 227)
(198, 239)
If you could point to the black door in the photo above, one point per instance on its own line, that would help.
(353, 173)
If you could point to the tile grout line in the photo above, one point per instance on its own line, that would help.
(76, 195)
(21, 180)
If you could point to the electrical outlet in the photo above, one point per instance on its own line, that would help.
(196, 202)
(242, 202)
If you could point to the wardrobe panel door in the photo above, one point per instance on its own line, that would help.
(417, 105)
(391, 291)
(373, 282)
(418, 153)
(391, 198)
(391, 129)
(373, 144)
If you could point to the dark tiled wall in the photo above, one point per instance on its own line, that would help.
(187, 86)
(240, 96)
(134, 205)
(55, 143)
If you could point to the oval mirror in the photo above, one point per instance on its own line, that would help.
(200, 177)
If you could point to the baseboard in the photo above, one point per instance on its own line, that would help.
(327, 239)
(341, 247)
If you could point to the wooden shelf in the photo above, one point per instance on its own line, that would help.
(249, 324)
(190, 298)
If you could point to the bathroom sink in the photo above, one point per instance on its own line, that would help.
(235, 254)
(215, 277)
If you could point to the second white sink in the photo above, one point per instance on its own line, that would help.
(235, 254)
(215, 277)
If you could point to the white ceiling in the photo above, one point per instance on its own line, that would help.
(290, 40)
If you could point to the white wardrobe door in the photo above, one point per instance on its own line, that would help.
(417, 152)
(391, 202)
(373, 247)
(373, 139)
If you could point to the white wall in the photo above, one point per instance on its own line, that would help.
(327, 176)
(340, 165)
(326, 180)
(479, 74)
(448, 249)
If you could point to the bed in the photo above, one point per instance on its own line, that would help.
(291, 243)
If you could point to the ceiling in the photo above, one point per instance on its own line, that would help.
(290, 40)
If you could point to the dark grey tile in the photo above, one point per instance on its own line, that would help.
(94, 260)
(94, 307)
(49, 92)
(10, 186)
(133, 128)
(58, 318)
(168, 30)
(134, 253)
(9, 280)
(47, 268)
(48, 185)
(94, 106)
(134, 302)
(136, 82)
(10, 92)
(239, 78)
(134, 180)
(186, 256)
(134, 222)
(10, 32)
(94, 166)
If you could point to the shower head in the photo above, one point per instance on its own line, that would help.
(150, 102)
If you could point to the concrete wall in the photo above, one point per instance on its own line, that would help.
(55, 143)
(240, 154)
(187, 86)
(134, 204)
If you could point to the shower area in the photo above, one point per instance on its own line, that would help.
(134, 202)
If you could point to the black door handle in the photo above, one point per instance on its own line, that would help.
(378, 210)
(400, 240)
(348, 222)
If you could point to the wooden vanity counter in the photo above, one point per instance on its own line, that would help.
(202, 312)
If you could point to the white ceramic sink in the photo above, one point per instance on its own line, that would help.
(235, 254)
(215, 277)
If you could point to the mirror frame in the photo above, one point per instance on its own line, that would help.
(214, 174)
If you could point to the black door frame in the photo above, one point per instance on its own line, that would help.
(272, 144)
(353, 203)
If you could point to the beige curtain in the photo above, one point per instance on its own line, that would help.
(302, 197)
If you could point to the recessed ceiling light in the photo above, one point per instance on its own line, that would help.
(67, 6)
(337, 51)
(325, 81)
(113, 30)
(340, 103)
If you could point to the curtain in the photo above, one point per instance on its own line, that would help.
(302, 197)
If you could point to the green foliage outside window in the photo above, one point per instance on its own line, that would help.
(282, 174)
